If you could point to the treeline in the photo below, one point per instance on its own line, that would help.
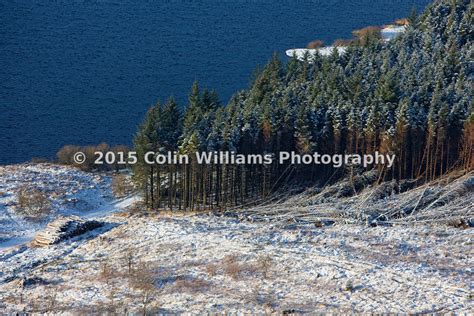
(411, 97)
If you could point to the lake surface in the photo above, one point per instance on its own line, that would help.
(83, 72)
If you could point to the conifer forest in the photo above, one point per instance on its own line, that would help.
(411, 97)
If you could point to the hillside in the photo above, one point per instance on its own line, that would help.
(298, 255)
(68, 190)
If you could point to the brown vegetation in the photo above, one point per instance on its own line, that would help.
(343, 42)
(143, 279)
(129, 259)
(265, 265)
(315, 44)
(367, 35)
(121, 186)
(39, 160)
(231, 266)
(105, 273)
(66, 154)
(402, 22)
(211, 269)
(191, 285)
(235, 269)
(32, 202)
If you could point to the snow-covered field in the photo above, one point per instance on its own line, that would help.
(71, 192)
(205, 263)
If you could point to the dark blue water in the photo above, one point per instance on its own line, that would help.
(83, 72)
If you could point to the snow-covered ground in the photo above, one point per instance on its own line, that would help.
(300, 53)
(392, 31)
(205, 263)
(210, 264)
(71, 192)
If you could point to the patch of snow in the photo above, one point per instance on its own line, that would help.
(419, 269)
(323, 51)
(390, 32)
(70, 191)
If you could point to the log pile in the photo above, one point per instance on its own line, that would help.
(62, 228)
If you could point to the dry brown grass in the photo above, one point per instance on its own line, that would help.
(143, 277)
(343, 42)
(13, 298)
(232, 267)
(105, 272)
(66, 154)
(46, 303)
(32, 202)
(121, 186)
(191, 285)
(315, 44)
(212, 269)
(265, 263)
(51, 299)
(235, 269)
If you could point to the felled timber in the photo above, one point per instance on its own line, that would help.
(62, 228)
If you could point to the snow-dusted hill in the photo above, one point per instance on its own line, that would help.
(150, 262)
(71, 192)
(210, 264)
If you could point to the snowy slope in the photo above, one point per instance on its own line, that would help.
(70, 191)
(154, 262)
(210, 264)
